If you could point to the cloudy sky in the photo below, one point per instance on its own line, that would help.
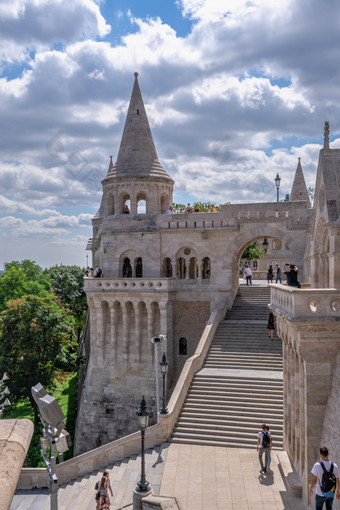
(235, 92)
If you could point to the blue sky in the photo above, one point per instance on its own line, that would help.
(235, 92)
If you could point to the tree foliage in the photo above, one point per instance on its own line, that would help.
(178, 208)
(33, 330)
(22, 278)
(67, 283)
(253, 251)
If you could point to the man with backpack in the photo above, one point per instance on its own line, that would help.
(264, 446)
(326, 480)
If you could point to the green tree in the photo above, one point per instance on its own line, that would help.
(22, 278)
(253, 251)
(33, 330)
(68, 285)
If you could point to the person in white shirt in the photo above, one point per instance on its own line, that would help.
(248, 274)
(264, 446)
(317, 472)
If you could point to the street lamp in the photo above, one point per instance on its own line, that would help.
(4, 392)
(277, 184)
(143, 421)
(54, 437)
(265, 245)
(164, 370)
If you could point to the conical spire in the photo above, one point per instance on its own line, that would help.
(137, 155)
(299, 188)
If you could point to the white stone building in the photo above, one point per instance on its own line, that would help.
(165, 274)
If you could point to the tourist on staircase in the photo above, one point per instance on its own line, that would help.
(264, 446)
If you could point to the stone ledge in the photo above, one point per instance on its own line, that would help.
(289, 475)
(15, 437)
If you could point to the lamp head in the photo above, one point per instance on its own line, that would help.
(51, 412)
(143, 415)
(5, 377)
(277, 180)
(164, 364)
(38, 391)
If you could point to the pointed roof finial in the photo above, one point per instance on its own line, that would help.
(326, 136)
(137, 156)
(299, 188)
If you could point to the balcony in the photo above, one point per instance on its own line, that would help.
(305, 304)
(129, 284)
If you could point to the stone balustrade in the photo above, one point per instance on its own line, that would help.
(129, 284)
(305, 303)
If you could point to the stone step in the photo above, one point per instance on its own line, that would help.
(246, 366)
(229, 394)
(240, 434)
(244, 381)
(234, 415)
(241, 408)
(225, 425)
(222, 388)
(215, 442)
(219, 440)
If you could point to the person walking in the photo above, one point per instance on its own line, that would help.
(264, 446)
(325, 481)
(271, 325)
(278, 273)
(103, 503)
(248, 274)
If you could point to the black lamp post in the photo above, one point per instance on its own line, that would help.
(277, 184)
(143, 421)
(164, 369)
(265, 245)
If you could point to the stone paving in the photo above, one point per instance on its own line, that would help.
(218, 478)
(201, 477)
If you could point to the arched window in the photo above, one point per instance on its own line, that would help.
(124, 203)
(110, 205)
(167, 268)
(181, 268)
(141, 203)
(139, 268)
(192, 269)
(141, 207)
(127, 269)
(206, 271)
(182, 347)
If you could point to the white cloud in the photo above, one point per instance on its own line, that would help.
(243, 94)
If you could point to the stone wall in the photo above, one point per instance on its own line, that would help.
(189, 322)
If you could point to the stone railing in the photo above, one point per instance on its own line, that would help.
(130, 445)
(129, 284)
(305, 303)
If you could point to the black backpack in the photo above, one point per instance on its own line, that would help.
(328, 481)
(265, 440)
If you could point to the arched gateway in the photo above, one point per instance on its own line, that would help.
(162, 274)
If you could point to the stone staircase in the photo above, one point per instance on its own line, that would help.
(79, 494)
(240, 385)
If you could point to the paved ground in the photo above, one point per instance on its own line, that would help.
(201, 477)
(217, 478)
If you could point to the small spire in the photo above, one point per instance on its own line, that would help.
(299, 188)
(326, 136)
(135, 74)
